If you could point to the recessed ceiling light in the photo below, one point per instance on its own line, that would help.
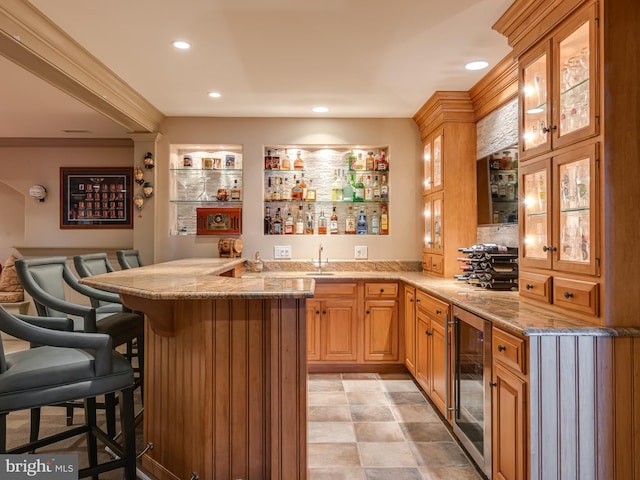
(479, 65)
(181, 45)
(320, 109)
(214, 94)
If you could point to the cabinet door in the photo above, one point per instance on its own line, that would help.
(438, 181)
(410, 329)
(509, 421)
(427, 183)
(314, 309)
(574, 79)
(339, 330)
(381, 330)
(439, 382)
(575, 196)
(535, 224)
(423, 350)
(535, 111)
(438, 228)
(427, 245)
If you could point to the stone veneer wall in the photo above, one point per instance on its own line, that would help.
(496, 131)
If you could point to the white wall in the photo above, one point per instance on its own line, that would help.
(37, 224)
(401, 135)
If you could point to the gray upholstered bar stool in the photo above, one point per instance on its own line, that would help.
(129, 259)
(45, 280)
(67, 366)
(95, 264)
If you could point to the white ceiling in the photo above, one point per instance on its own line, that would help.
(268, 58)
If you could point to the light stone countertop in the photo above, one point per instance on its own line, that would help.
(198, 278)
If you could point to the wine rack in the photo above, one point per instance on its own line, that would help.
(490, 266)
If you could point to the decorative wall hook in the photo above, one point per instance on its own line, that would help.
(138, 175)
(148, 160)
(147, 189)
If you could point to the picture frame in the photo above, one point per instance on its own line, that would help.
(96, 197)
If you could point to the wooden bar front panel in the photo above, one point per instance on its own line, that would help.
(225, 395)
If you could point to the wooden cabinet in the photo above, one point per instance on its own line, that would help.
(559, 84)
(431, 366)
(381, 327)
(409, 313)
(354, 323)
(509, 406)
(447, 128)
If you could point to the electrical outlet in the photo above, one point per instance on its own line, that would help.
(282, 252)
(361, 253)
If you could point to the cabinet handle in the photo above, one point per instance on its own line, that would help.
(568, 295)
(367, 312)
(382, 290)
(417, 300)
(493, 384)
(549, 248)
(428, 333)
(528, 286)
(438, 312)
(501, 348)
(324, 312)
(411, 299)
(317, 312)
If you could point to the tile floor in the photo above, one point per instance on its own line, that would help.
(368, 426)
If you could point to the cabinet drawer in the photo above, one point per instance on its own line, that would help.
(381, 290)
(326, 289)
(437, 264)
(508, 349)
(432, 306)
(535, 286)
(576, 295)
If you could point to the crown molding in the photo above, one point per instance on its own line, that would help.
(444, 106)
(497, 87)
(31, 40)
(66, 142)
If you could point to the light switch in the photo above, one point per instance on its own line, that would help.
(361, 252)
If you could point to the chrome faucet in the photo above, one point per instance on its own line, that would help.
(320, 249)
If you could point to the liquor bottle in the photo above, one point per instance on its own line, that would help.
(502, 188)
(350, 223)
(235, 191)
(286, 191)
(511, 187)
(358, 190)
(368, 189)
(285, 161)
(384, 188)
(351, 161)
(333, 222)
(308, 229)
(369, 161)
(383, 164)
(361, 225)
(303, 185)
(296, 191)
(289, 224)
(335, 187)
(268, 192)
(298, 163)
(322, 224)
(384, 221)
(267, 222)
(275, 160)
(267, 160)
(347, 189)
(277, 224)
(359, 162)
(377, 194)
(300, 223)
(375, 223)
(311, 192)
(277, 192)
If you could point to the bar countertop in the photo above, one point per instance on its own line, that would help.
(198, 278)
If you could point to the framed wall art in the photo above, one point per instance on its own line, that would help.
(96, 197)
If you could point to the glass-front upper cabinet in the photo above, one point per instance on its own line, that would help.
(559, 222)
(433, 231)
(432, 155)
(558, 88)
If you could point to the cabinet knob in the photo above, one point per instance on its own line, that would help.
(438, 312)
(317, 312)
(382, 290)
(549, 248)
(528, 286)
(324, 312)
(367, 312)
(411, 299)
(493, 384)
(568, 295)
(417, 300)
(549, 128)
(501, 348)
(428, 333)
